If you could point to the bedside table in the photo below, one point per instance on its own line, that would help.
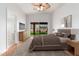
(73, 47)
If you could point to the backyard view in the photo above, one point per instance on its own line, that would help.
(40, 28)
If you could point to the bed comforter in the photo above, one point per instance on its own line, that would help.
(46, 42)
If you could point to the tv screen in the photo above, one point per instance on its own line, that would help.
(21, 26)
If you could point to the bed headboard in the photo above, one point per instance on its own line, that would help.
(67, 32)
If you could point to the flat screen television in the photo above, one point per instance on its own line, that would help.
(21, 26)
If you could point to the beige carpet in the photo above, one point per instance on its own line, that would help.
(23, 51)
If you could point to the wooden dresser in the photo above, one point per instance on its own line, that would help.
(74, 47)
(22, 36)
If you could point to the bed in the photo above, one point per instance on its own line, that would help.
(47, 43)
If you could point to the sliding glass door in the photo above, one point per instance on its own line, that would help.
(39, 28)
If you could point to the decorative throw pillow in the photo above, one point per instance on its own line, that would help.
(59, 34)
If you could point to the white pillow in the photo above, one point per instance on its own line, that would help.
(63, 40)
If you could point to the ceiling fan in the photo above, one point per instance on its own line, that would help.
(40, 6)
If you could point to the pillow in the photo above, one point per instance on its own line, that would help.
(66, 35)
(63, 40)
(59, 34)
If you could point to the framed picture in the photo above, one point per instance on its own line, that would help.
(68, 21)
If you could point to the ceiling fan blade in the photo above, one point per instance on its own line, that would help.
(35, 7)
(36, 4)
(45, 5)
(40, 6)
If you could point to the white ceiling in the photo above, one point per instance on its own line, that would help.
(27, 7)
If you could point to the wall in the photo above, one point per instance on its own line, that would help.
(39, 17)
(2, 28)
(8, 14)
(65, 10)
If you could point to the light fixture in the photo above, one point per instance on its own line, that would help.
(40, 6)
(62, 25)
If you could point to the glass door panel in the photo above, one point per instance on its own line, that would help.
(39, 28)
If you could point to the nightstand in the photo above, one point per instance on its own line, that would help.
(73, 47)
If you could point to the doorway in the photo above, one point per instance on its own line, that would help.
(39, 28)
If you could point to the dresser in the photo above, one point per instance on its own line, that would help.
(22, 36)
(73, 47)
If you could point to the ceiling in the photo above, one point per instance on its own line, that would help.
(27, 7)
